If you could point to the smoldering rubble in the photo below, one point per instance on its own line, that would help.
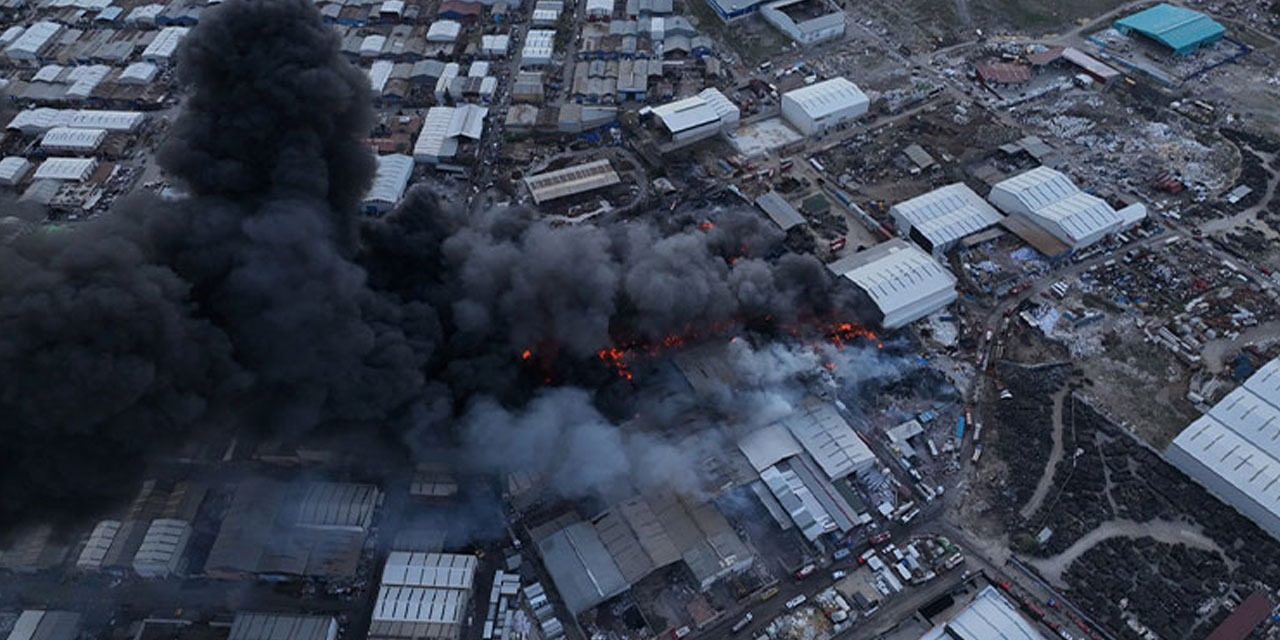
(260, 300)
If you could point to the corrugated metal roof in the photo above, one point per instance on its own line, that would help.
(71, 138)
(896, 275)
(947, 214)
(768, 446)
(338, 505)
(686, 114)
(571, 180)
(440, 570)
(1178, 28)
(394, 172)
(826, 97)
(77, 169)
(281, 626)
(581, 567)
(827, 436)
(988, 617)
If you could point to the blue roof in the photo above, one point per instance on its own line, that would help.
(1175, 27)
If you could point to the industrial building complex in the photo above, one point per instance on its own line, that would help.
(641, 320)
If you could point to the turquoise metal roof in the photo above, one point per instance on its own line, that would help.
(1182, 30)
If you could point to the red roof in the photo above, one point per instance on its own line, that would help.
(1244, 619)
(1045, 57)
(1004, 73)
(461, 8)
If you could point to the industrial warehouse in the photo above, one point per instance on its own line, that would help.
(640, 319)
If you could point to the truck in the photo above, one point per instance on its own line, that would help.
(977, 431)
(817, 165)
(742, 624)
(841, 554)
(977, 453)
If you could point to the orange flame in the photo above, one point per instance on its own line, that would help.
(526, 354)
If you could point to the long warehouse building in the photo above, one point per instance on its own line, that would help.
(1234, 449)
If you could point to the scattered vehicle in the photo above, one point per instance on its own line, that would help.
(797, 601)
(836, 575)
(682, 632)
(742, 624)
(881, 537)
(841, 554)
(806, 571)
(769, 593)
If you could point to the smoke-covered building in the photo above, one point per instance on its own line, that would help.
(581, 567)
(903, 281)
(389, 184)
(95, 549)
(32, 550)
(1234, 449)
(46, 625)
(282, 626)
(338, 506)
(162, 548)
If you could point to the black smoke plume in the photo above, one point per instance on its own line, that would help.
(259, 301)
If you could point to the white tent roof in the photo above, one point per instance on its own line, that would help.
(828, 96)
(495, 43)
(14, 169)
(33, 39)
(338, 505)
(444, 31)
(77, 169)
(43, 119)
(164, 539)
(165, 44)
(947, 214)
(73, 139)
(138, 73)
(394, 172)
(379, 73)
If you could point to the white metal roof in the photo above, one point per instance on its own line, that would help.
(478, 69)
(725, 109)
(420, 604)
(444, 31)
(896, 275)
(798, 501)
(165, 43)
(828, 96)
(379, 73)
(14, 169)
(443, 125)
(49, 73)
(11, 34)
(828, 438)
(947, 214)
(99, 542)
(77, 169)
(372, 45)
(282, 626)
(989, 617)
(338, 505)
(495, 43)
(1239, 438)
(440, 570)
(601, 7)
(138, 73)
(691, 112)
(84, 79)
(73, 139)
(539, 44)
(393, 176)
(33, 39)
(571, 180)
(1050, 196)
(768, 446)
(164, 539)
(392, 6)
(42, 119)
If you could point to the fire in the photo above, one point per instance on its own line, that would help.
(843, 332)
(616, 359)
(526, 354)
(706, 226)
